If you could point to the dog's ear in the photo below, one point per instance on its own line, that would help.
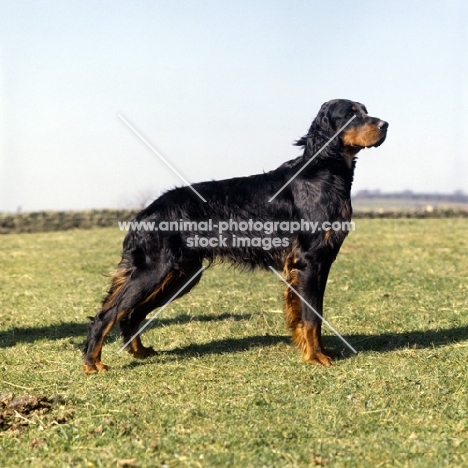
(323, 118)
(322, 123)
(320, 127)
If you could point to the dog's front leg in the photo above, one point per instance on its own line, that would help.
(308, 333)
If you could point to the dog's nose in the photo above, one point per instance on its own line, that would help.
(382, 125)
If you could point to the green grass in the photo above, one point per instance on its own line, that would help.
(227, 388)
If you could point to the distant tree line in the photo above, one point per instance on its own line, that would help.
(47, 221)
(458, 196)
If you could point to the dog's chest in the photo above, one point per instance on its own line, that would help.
(338, 226)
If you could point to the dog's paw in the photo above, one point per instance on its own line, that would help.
(143, 352)
(319, 358)
(94, 368)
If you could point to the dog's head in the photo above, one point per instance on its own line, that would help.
(357, 129)
(363, 131)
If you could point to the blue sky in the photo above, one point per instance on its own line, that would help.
(221, 89)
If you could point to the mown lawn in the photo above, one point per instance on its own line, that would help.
(227, 388)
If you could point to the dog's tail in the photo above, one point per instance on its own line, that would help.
(119, 278)
(134, 259)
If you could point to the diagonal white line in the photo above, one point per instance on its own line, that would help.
(312, 309)
(160, 156)
(311, 159)
(160, 310)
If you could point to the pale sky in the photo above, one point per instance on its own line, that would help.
(221, 89)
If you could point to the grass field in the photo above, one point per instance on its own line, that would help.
(227, 388)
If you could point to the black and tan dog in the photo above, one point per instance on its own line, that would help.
(156, 265)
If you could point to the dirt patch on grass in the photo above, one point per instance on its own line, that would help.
(20, 412)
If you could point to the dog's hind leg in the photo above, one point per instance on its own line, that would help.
(130, 326)
(98, 328)
(130, 289)
(175, 285)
